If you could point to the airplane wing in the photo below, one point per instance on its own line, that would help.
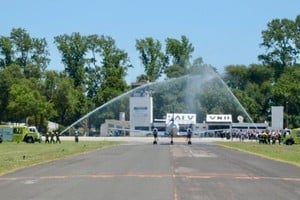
(126, 132)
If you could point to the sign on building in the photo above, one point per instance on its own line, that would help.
(218, 118)
(182, 118)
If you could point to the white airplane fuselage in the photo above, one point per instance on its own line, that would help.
(172, 128)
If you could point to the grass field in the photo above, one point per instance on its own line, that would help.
(284, 153)
(15, 156)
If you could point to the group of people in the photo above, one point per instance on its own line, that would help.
(269, 137)
(263, 137)
(50, 135)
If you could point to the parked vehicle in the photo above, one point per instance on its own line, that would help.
(19, 133)
(293, 137)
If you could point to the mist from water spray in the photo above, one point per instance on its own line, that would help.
(239, 105)
(197, 86)
(235, 99)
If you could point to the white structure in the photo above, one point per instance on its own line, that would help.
(113, 127)
(277, 117)
(52, 126)
(141, 113)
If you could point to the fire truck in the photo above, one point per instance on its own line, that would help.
(19, 133)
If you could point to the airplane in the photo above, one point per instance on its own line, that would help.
(172, 130)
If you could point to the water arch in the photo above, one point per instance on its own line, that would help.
(202, 93)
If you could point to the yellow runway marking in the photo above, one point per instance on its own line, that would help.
(53, 177)
(157, 175)
(175, 195)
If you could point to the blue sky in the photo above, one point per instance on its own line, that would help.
(223, 32)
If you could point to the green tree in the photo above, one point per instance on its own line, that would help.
(6, 52)
(114, 69)
(259, 74)
(143, 78)
(252, 85)
(50, 83)
(93, 68)
(180, 53)
(261, 94)
(199, 67)
(236, 76)
(8, 76)
(26, 101)
(65, 99)
(286, 92)
(280, 41)
(252, 107)
(73, 49)
(152, 57)
(297, 35)
(69, 102)
(30, 54)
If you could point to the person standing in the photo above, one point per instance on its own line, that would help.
(52, 137)
(155, 134)
(47, 137)
(189, 135)
(76, 136)
(57, 137)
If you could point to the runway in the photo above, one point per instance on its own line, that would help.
(139, 170)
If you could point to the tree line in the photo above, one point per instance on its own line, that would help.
(95, 70)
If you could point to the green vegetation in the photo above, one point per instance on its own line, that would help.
(15, 156)
(284, 153)
(95, 70)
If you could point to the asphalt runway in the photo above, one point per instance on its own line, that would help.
(142, 171)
